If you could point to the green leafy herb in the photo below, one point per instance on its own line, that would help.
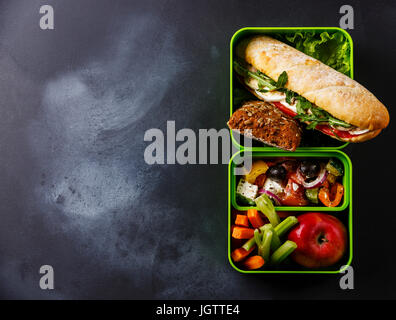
(306, 112)
(261, 87)
(319, 113)
(282, 80)
(303, 105)
(265, 83)
(312, 125)
(290, 95)
(337, 122)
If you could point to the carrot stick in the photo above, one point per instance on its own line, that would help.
(254, 262)
(236, 243)
(240, 254)
(242, 220)
(242, 233)
(255, 218)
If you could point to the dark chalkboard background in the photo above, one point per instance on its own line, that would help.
(75, 192)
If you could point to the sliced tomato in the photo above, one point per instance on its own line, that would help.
(284, 109)
(296, 177)
(334, 132)
(294, 195)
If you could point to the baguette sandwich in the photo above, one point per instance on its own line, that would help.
(308, 90)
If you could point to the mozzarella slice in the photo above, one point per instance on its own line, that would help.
(277, 96)
(273, 186)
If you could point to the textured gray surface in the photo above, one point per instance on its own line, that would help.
(75, 191)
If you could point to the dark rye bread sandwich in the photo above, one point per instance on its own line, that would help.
(264, 122)
(308, 90)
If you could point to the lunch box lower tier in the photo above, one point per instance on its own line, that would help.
(343, 212)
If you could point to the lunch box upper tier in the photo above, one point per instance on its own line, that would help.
(312, 139)
(263, 155)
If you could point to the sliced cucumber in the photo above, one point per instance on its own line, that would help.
(312, 195)
(241, 200)
(335, 167)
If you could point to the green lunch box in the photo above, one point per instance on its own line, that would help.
(343, 212)
(316, 145)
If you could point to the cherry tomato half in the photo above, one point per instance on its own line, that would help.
(294, 195)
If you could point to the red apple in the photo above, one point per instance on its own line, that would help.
(321, 240)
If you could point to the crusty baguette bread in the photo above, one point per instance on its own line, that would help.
(359, 138)
(264, 122)
(327, 88)
(362, 137)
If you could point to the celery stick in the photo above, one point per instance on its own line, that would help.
(257, 237)
(282, 252)
(249, 244)
(265, 205)
(266, 245)
(285, 225)
(275, 243)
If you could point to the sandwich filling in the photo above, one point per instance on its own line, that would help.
(295, 105)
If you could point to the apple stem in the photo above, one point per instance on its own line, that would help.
(322, 239)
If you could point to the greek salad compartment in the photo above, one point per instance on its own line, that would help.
(313, 181)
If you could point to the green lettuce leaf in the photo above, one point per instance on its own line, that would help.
(332, 49)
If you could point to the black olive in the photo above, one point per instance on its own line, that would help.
(309, 169)
(277, 173)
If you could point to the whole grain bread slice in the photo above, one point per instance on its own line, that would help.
(264, 122)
